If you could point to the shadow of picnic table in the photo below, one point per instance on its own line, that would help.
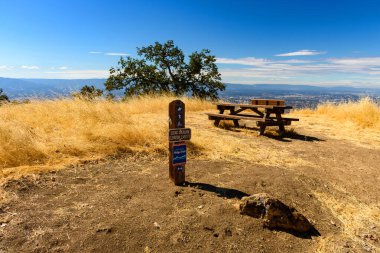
(286, 136)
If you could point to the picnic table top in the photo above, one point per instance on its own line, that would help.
(253, 106)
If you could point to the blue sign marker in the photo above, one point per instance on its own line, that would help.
(179, 154)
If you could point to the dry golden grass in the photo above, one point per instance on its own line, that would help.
(56, 132)
(356, 122)
(356, 218)
(365, 113)
(59, 131)
(43, 134)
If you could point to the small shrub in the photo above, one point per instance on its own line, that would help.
(88, 93)
(3, 97)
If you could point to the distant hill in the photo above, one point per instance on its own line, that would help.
(50, 88)
(45, 88)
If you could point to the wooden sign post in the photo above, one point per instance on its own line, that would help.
(178, 134)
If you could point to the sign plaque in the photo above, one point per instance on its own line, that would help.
(179, 154)
(178, 134)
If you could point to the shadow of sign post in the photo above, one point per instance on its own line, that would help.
(178, 134)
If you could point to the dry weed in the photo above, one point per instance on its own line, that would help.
(44, 134)
(54, 131)
(357, 122)
(365, 113)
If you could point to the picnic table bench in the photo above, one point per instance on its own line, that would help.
(265, 112)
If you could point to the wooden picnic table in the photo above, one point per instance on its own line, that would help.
(264, 115)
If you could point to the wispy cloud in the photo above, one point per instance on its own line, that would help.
(249, 61)
(117, 54)
(109, 53)
(59, 68)
(304, 52)
(365, 61)
(252, 61)
(348, 65)
(2, 67)
(335, 71)
(29, 67)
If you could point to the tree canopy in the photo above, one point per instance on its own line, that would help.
(163, 68)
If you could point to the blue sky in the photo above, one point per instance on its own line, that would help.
(272, 41)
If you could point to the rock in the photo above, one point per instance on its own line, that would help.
(156, 225)
(276, 215)
(367, 248)
(104, 229)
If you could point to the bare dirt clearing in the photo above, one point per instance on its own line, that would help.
(129, 205)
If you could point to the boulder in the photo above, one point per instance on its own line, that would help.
(276, 215)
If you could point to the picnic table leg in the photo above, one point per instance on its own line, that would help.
(216, 122)
(282, 128)
(281, 125)
(262, 129)
(236, 123)
(263, 124)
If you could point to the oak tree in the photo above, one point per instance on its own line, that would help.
(163, 68)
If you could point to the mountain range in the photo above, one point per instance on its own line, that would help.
(50, 88)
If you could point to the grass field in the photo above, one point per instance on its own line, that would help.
(55, 131)
(63, 131)
(364, 113)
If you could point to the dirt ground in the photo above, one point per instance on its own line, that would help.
(122, 204)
